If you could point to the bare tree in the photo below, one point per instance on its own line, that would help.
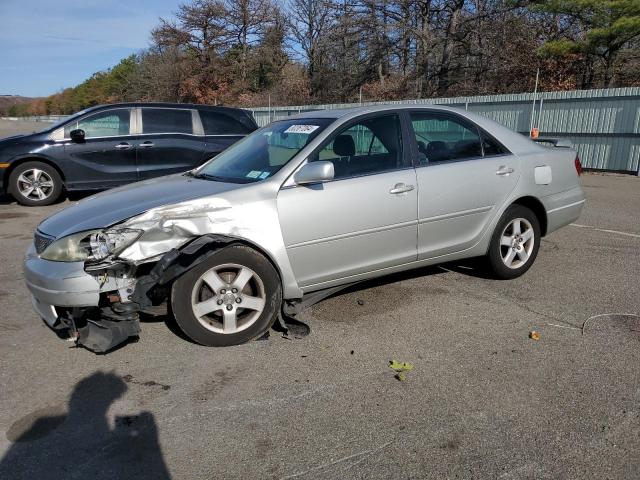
(246, 23)
(310, 22)
(248, 51)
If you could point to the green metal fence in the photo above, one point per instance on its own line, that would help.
(604, 125)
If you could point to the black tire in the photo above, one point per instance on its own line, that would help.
(52, 192)
(270, 288)
(495, 261)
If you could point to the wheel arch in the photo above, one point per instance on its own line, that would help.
(176, 262)
(21, 161)
(536, 206)
(259, 249)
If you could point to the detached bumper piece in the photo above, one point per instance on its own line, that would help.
(102, 329)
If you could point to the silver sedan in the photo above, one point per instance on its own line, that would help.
(295, 211)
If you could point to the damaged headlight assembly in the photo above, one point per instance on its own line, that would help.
(92, 245)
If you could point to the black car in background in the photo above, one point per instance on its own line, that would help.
(111, 145)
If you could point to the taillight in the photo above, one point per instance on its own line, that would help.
(578, 165)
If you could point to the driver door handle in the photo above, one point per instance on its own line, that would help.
(123, 146)
(504, 170)
(401, 188)
(146, 144)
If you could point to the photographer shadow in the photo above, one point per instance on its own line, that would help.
(81, 443)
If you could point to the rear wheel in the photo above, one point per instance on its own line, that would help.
(515, 243)
(35, 184)
(230, 298)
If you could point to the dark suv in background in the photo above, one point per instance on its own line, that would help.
(110, 145)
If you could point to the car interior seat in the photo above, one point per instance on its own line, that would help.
(343, 147)
(437, 151)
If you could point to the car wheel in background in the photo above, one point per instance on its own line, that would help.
(35, 184)
(515, 243)
(233, 296)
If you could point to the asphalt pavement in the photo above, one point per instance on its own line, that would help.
(482, 401)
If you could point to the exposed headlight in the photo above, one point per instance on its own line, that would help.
(94, 245)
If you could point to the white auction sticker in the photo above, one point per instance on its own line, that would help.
(306, 129)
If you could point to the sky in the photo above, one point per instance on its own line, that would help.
(48, 45)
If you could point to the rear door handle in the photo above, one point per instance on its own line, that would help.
(504, 170)
(146, 144)
(401, 188)
(124, 146)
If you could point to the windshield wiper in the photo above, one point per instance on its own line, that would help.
(215, 178)
(206, 176)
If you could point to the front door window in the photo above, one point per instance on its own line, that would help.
(370, 146)
(110, 123)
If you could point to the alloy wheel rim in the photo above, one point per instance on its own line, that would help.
(228, 298)
(516, 243)
(35, 184)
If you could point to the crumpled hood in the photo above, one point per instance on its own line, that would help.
(116, 205)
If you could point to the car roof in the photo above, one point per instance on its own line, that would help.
(514, 141)
(354, 111)
(169, 105)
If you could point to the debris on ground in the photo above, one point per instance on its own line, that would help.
(533, 335)
(296, 329)
(150, 383)
(401, 369)
(360, 302)
(290, 327)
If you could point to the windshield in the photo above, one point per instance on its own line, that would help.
(264, 152)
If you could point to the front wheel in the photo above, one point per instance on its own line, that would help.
(230, 298)
(515, 243)
(35, 184)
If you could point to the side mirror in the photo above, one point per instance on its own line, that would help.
(315, 172)
(77, 135)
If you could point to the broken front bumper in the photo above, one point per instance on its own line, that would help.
(68, 298)
(62, 284)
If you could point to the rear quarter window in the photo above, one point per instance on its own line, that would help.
(216, 123)
(491, 147)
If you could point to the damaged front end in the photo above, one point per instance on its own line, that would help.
(93, 282)
(87, 303)
(129, 289)
(97, 304)
(139, 287)
(100, 329)
(92, 285)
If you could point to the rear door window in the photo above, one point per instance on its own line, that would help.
(109, 123)
(442, 138)
(166, 120)
(216, 123)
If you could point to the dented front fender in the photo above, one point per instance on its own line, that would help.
(248, 215)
